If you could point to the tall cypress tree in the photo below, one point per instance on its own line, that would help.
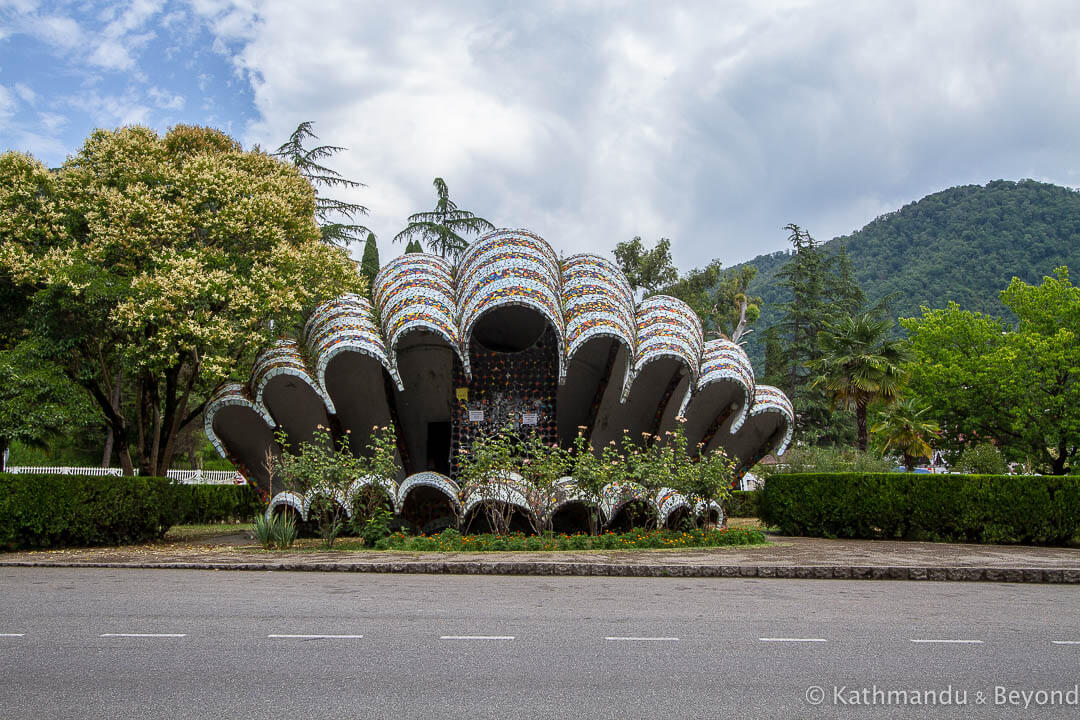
(414, 247)
(369, 265)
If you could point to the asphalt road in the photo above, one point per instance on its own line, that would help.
(199, 644)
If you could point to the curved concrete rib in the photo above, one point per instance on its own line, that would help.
(285, 387)
(721, 401)
(241, 431)
(768, 429)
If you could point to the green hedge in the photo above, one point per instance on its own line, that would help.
(1041, 510)
(203, 504)
(743, 504)
(38, 511)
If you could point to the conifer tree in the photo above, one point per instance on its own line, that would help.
(369, 264)
(329, 212)
(442, 228)
(414, 247)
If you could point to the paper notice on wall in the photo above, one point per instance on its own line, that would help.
(476, 416)
(529, 418)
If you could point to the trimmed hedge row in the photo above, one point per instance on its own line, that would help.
(1007, 509)
(41, 511)
(204, 504)
(38, 511)
(743, 504)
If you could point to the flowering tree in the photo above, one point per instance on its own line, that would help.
(170, 258)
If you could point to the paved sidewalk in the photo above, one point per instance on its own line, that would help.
(787, 557)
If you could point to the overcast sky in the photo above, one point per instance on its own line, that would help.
(712, 123)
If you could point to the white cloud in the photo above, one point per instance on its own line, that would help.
(7, 106)
(25, 93)
(165, 100)
(106, 110)
(57, 30)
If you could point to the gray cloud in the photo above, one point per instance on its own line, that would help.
(713, 124)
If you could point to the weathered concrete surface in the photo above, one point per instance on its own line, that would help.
(785, 558)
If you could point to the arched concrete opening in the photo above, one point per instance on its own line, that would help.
(659, 385)
(295, 407)
(357, 383)
(478, 521)
(679, 519)
(594, 378)
(759, 435)
(425, 364)
(633, 514)
(247, 438)
(428, 509)
(573, 517)
(509, 328)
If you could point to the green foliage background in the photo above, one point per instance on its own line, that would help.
(963, 244)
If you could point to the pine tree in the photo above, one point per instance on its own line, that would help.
(414, 247)
(369, 265)
(328, 211)
(442, 227)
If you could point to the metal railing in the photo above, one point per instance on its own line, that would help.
(188, 477)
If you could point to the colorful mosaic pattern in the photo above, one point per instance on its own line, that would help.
(416, 291)
(724, 361)
(284, 358)
(287, 500)
(615, 496)
(666, 327)
(768, 399)
(667, 502)
(509, 267)
(597, 301)
(226, 395)
(346, 325)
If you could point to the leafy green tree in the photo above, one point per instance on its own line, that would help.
(858, 365)
(1017, 386)
(646, 270)
(442, 228)
(170, 258)
(369, 264)
(328, 211)
(720, 298)
(905, 427)
(982, 459)
(37, 401)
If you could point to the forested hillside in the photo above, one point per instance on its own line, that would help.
(963, 244)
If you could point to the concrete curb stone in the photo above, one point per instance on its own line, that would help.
(818, 572)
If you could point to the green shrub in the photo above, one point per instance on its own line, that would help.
(205, 504)
(453, 541)
(40, 511)
(743, 503)
(983, 459)
(1010, 509)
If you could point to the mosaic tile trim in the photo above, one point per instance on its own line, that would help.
(616, 495)
(388, 486)
(223, 397)
(665, 330)
(284, 357)
(667, 502)
(769, 399)
(596, 301)
(724, 361)
(416, 291)
(507, 268)
(346, 324)
(564, 493)
(429, 479)
(287, 499)
(699, 509)
(508, 488)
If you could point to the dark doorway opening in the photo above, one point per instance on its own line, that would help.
(438, 447)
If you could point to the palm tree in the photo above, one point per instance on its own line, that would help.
(904, 428)
(859, 364)
(441, 228)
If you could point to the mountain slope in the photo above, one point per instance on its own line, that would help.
(962, 244)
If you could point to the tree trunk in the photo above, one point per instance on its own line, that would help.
(860, 419)
(106, 455)
(3, 453)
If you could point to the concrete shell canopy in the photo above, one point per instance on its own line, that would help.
(512, 334)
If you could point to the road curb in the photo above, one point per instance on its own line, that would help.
(479, 567)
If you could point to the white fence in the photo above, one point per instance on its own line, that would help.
(188, 477)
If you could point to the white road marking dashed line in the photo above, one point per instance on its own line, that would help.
(949, 642)
(143, 635)
(318, 637)
(1065, 642)
(12, 634)
(646, 639)
(476, 637)
(792, 640)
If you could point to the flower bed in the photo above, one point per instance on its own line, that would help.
(453, 541)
